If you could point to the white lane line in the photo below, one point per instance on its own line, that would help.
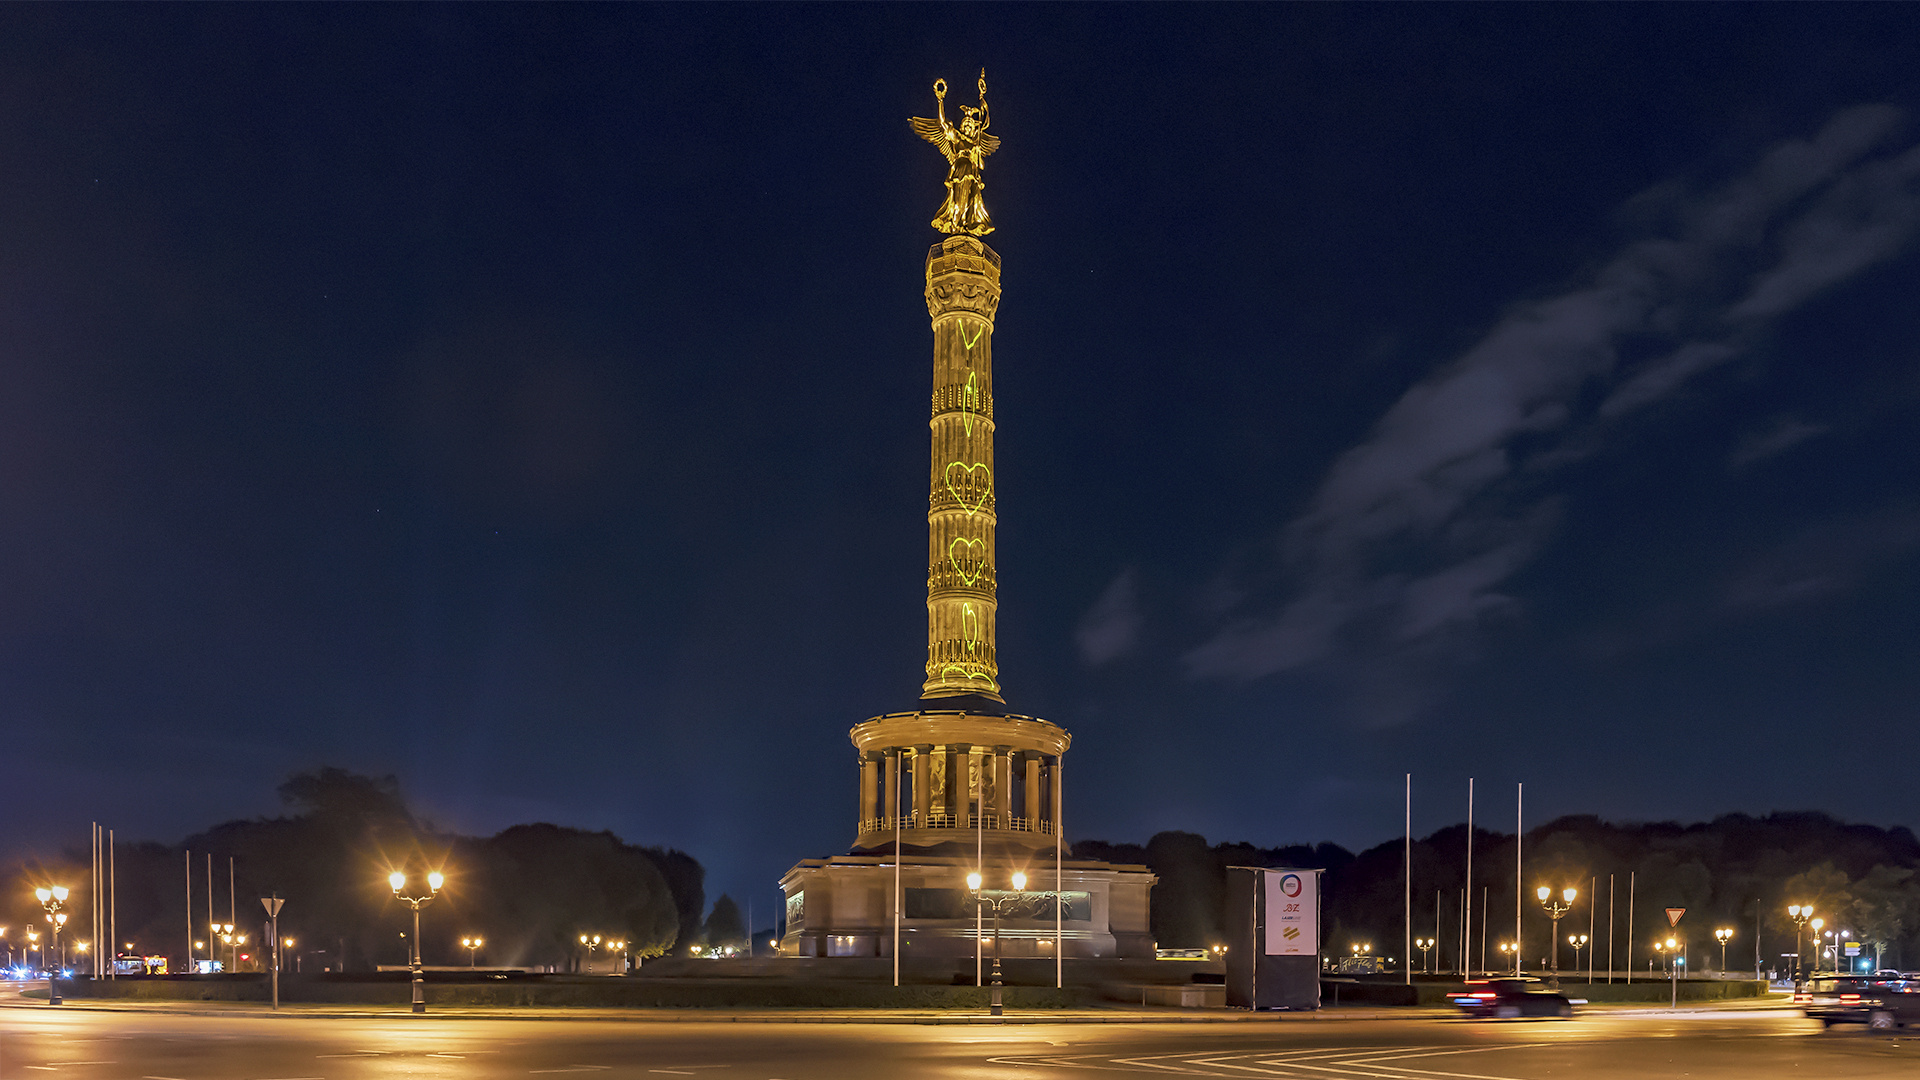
(568, 1069)
(159, 1078)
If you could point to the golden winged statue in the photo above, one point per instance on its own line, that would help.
(966, 148)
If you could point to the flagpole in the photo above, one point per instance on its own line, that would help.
(1406, 952)
(1466, 937)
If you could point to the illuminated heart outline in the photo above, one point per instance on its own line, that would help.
(955, 492)
(955, 562)
(969, 629)
(970, 401)
(976, 337)
(969, 675)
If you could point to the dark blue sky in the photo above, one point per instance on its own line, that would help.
(531, 402)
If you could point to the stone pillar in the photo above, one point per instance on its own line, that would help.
(922, 784)
(1030, 776)
(890, 780)
(959, 783)
(869, 787)
(1002, 787)
(963, 292)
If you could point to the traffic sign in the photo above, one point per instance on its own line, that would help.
(1673, 915)
(272, 904)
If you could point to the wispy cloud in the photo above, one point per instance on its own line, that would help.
(1785, 434)
(1414, 533)
(1111, 627)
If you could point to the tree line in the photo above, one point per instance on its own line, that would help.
(1736, 872)
(529, 891)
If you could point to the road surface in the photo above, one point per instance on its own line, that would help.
(39, 1042)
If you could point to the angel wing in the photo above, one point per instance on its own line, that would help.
(934, 132)
(988, 143)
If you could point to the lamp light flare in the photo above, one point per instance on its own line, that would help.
(398, 880)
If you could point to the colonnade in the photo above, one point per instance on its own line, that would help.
(959, 786)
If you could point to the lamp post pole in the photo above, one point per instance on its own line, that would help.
(979, 898)
(1555, 909)
(53, 899)
(1799, 913)
(1579, 942)
(472, 945)
(1723, 935)
(398, 880)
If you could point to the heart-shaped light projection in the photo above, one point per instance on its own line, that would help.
(968, 673)
(976, 335)
(975, 551)
(970, 628)
(984, 485)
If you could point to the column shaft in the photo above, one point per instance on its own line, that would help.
(1002, 787)
(869, 787)
(922, 785)
(1030, 777)
(889, 776)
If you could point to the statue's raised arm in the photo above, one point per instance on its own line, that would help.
(965, 147)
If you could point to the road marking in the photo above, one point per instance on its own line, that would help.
(570, 1068)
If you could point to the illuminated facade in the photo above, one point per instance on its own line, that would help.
(961, 784)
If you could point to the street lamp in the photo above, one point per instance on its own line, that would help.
(1723, 935)
(472, 945)
(1816, 923)
(1837, 940)
(997, 904)
(1799, 913)
(416, 900)
(591, 943)
(622, 946)
(222, 932)
(1578, 941)
(1425, 945)
(1509, 947)
(53, 899)
(1555, 909)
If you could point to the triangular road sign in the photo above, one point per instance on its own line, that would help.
(272, 904)
(1673, 915)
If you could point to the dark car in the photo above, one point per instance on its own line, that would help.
(1879, 1001)
(1508, 998)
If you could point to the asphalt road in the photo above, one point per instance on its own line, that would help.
(41, 1042)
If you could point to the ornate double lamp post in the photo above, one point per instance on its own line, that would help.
(997, 903)
(1723, 935)
(53, 899)
(1555, 909)
(1579, 942)
(1801, 914)
(590, 943)
(472, 945)
(1425, 945)
(416, 899)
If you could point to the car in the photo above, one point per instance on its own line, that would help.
(1510, 998)
(1881, 1002)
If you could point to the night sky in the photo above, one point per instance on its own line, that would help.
(531, 402)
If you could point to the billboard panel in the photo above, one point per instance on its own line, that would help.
(1293, 912)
